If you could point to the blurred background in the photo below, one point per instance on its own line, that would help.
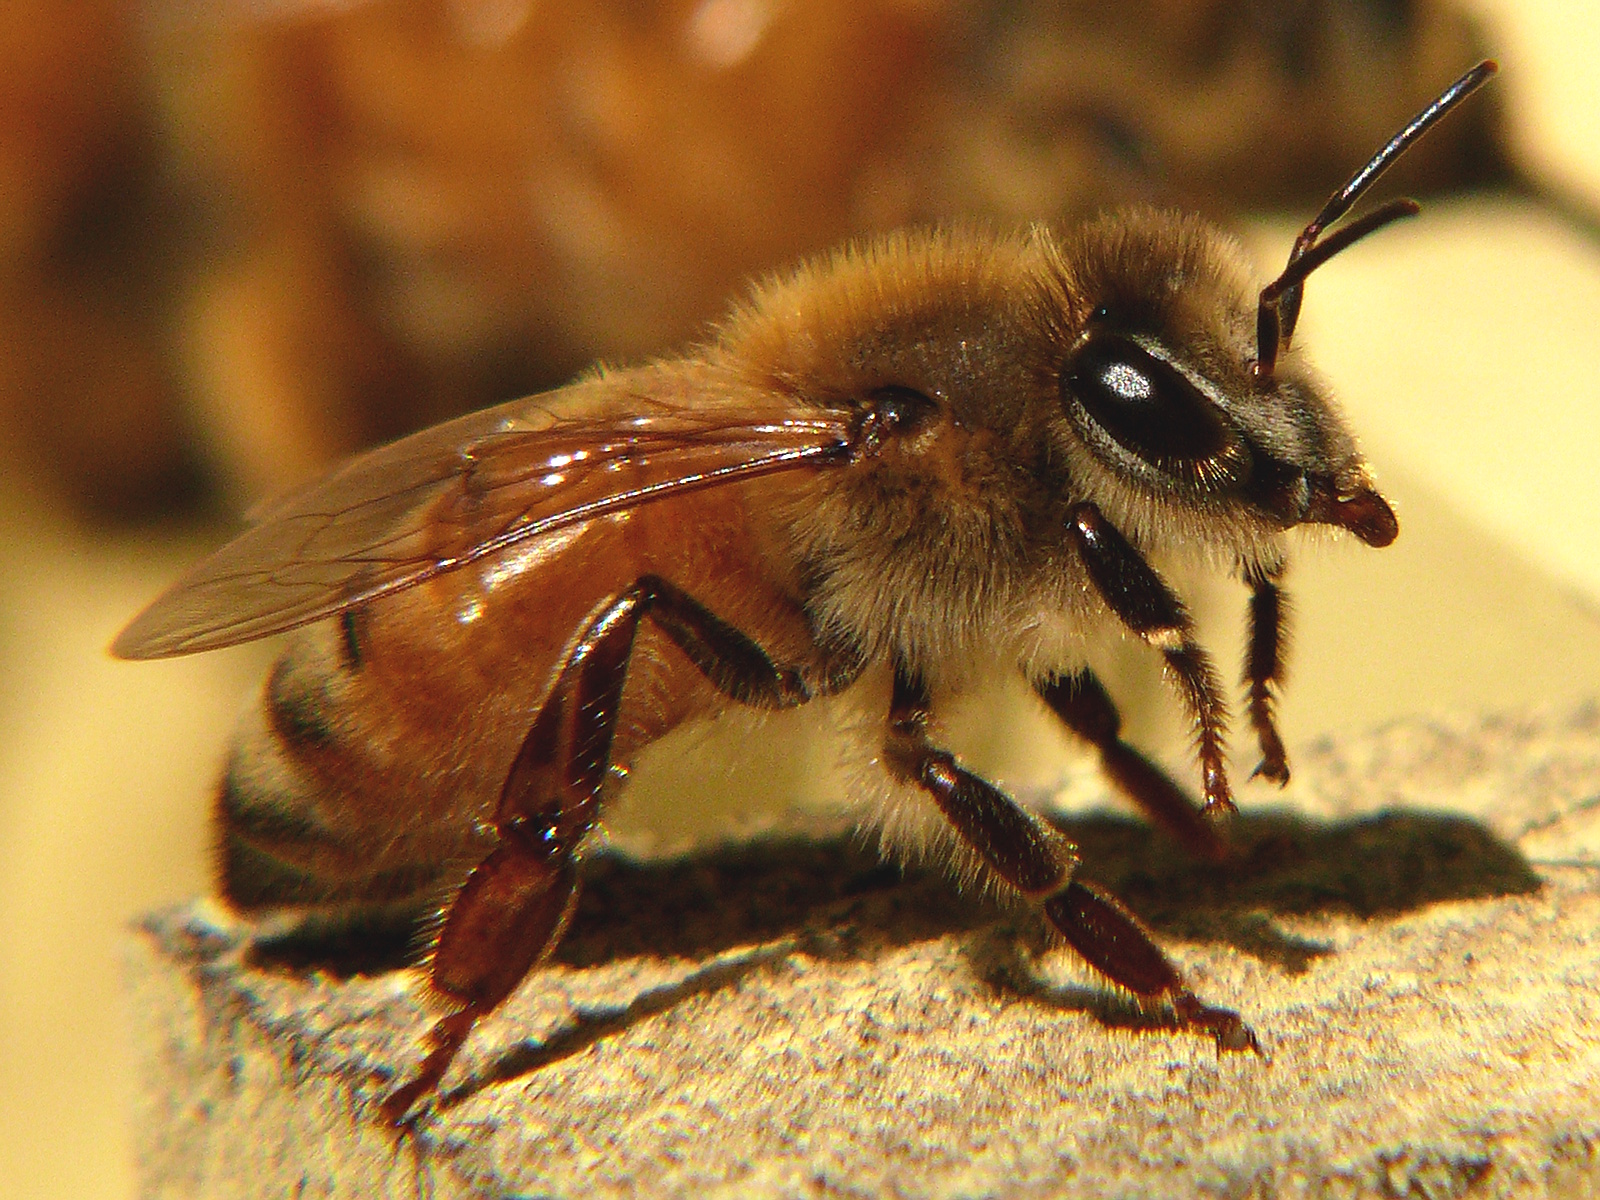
(240, 239)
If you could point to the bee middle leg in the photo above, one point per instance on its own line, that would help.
(510, 913)
(1084, 707)
(1041, 863)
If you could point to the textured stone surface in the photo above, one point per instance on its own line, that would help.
(1414, 933)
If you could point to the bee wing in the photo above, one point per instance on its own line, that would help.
(398, 515)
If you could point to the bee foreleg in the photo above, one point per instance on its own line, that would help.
(515, 904)
(1264, 668)
(1084, 707)
(1150, 609)
(1040, 863)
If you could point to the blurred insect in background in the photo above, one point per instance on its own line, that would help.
(926, 453)
(354, 220)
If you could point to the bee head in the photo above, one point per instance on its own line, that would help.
(1170, 413)
(1176, 387)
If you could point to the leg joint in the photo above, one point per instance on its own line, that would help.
(733, 662)
(1024, 851)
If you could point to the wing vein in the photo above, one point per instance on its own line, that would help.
(452, 495)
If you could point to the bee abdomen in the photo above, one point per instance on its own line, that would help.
(253, 878)
(274, 849)
(297, 711)
(268, 856)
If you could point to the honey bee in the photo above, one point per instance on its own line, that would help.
(921, 454)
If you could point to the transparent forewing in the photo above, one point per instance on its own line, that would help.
(454, 493)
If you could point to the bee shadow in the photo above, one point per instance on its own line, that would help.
(740, 894)
(1284, 864)
(836, 898)
(1288, 865)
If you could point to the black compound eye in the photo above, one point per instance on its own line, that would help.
(1147, 406)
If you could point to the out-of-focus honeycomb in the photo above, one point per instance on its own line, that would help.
(260, 235)
(86, 402)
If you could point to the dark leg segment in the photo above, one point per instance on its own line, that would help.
(1039, 862)
(1264, 669)
(1149, 609)
(515, 904)
(1085, 708)
(1024, 851)
(1112, 942)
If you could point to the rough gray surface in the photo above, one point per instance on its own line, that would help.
(1415, 935)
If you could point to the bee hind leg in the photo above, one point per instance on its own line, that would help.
(1040, 862)
(510, 913)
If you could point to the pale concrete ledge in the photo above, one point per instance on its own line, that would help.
(1416, 938)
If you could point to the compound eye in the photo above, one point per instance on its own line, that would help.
(1149, 409)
